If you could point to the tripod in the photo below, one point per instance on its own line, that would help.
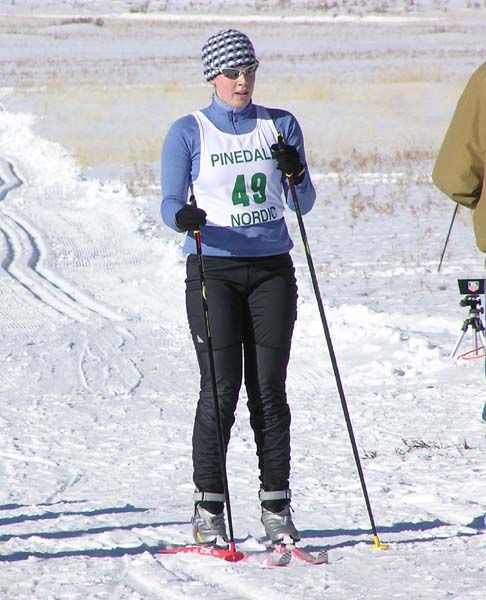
(475, 322)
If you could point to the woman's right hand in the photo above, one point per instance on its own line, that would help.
(189, 218)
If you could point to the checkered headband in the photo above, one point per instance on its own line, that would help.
(227, 48)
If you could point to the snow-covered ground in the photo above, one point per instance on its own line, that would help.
(99, 379)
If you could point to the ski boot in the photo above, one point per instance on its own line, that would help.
(278, 525)
(207, 527)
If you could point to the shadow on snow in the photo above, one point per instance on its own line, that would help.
(435, 528)
(56, 514)
(113, 552)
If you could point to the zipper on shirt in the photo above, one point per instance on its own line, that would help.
(234, 121)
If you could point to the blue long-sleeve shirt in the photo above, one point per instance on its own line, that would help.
(180, 165)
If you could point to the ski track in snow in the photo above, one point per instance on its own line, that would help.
(97, 371)
(8, 178)
(21, 264)
(184, 577)
(26, 251)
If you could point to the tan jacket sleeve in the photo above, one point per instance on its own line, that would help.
(459, 169)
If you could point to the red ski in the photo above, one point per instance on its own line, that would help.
(231, 554)
(320, 558)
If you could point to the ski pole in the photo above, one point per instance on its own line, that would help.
(447, 238)
(290, 179)
(235, 555)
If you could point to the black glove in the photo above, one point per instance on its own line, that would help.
(189, 218)
(288, 161)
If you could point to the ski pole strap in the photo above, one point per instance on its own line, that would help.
(192, 197)
(296, 175)
(207, 497)
(277, 495)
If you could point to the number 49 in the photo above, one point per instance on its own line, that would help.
(258, 184)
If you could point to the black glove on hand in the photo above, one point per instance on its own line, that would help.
(189, 218)
(288, 161)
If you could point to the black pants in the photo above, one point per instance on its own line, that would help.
(252, 305)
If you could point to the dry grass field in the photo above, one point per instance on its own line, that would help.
(107, 88)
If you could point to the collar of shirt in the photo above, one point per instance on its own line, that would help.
(229, 119)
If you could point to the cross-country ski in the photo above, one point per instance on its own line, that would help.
(269, 558)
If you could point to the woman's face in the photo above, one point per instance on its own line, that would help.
(235, 92)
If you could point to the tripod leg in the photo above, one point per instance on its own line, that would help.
(482, 336)
(483, 416)
(458, 343)
(478, 328)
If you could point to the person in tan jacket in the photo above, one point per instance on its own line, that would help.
(460, 164)
(459, 168)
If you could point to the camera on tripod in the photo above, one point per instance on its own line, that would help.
(473, 301)
(472, 289)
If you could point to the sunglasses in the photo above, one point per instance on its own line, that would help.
(234, 73)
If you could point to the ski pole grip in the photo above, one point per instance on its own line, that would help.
(197, 231)
(281, 148)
